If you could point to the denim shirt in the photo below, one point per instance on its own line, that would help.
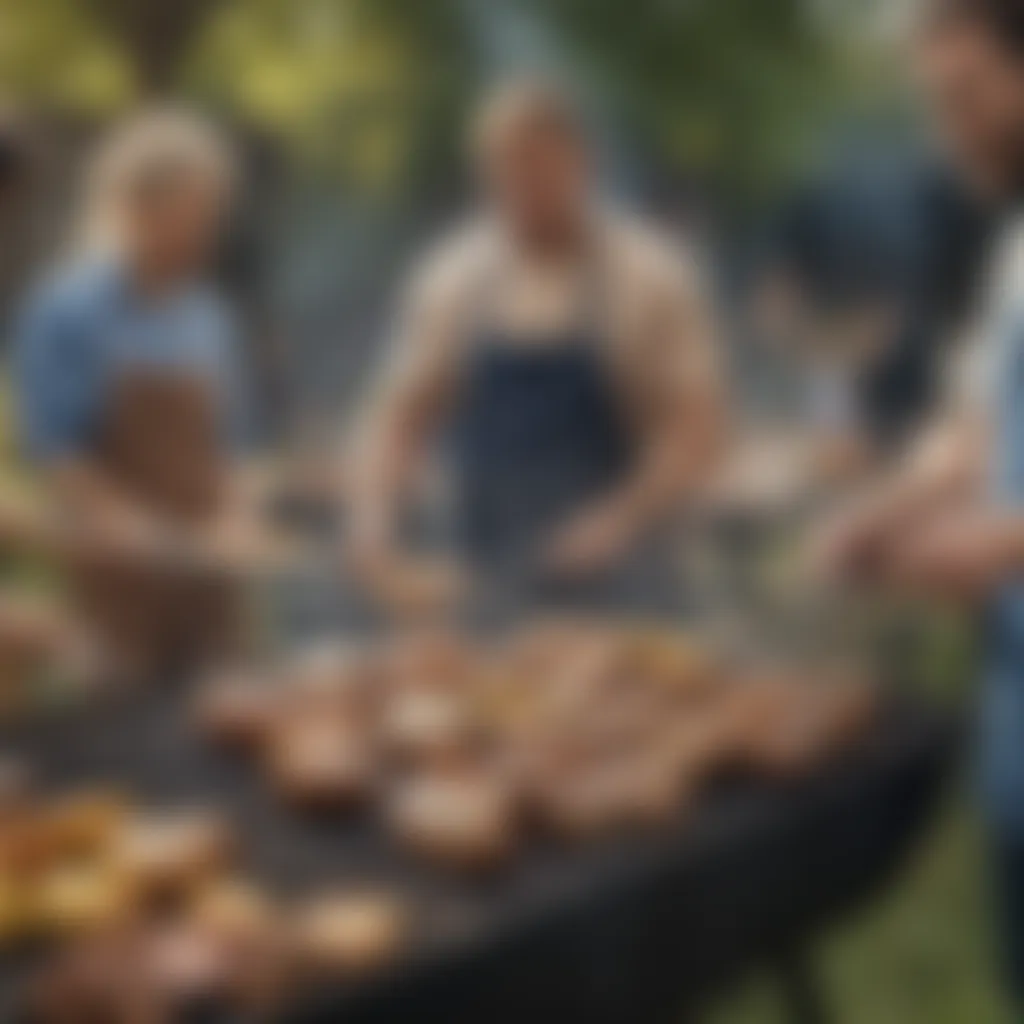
(86, 326)
(1002, 750)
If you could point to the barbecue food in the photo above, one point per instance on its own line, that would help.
(320, 764)
(15, 911)
(331, 679)
(580, 730)
(834, 715)
(87, 863)
(95, 980)
(160, 972)
(626, 720)
(463, 818)
(655, 789)
(602, 796)
(588, 726)
(236, 711)
(424, 725)
(235, 911)
(432, 659)
(25, 849)
(578, 806)
(788, 724)
(682, 668)
(168, 856)
(15, 790)
(186, 968)
(852, 704)
(79, 825)
(350, 933)
(32, 839)
(79, 898)
(701, 747)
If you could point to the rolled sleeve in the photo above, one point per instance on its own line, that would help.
(56, 381)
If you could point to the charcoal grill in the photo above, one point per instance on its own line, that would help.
(631, 930)
(648, 927)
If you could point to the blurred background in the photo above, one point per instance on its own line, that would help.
(783, 141)
(780, 139)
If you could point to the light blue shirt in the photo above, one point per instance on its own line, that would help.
(86, 326)
(1002, 712)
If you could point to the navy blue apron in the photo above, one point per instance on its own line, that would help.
(537, 436)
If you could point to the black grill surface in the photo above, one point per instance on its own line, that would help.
(621, 931)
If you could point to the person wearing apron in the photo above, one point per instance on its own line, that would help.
(556, 355)
(128, 395)
(537, 433)
(950, 523)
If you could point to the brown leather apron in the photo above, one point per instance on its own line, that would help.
(159, 440)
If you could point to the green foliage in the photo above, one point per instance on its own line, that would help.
(53, 52)
(926, 954)
(361, 88)
(368, 91)
(732, 90)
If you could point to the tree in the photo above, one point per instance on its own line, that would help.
(370, 91)
(367, 90)
(53, 53)
(731, 89)
(154, 36)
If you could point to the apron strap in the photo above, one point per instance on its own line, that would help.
(590, 318)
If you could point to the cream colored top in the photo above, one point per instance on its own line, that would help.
(971, 375)
(644, 294)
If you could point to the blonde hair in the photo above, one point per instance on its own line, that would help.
(523, 107)
(149, 156)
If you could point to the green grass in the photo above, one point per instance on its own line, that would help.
(922, 955)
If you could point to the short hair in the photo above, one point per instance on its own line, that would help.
(148, 156)
(524, 106)
(1003, 19)
(157, 150)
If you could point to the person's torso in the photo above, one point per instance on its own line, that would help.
(1003, 703)
(160, 422)
(538, 429)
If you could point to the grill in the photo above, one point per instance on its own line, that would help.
(642, 928)
(618, 932)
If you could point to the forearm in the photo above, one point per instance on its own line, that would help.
(666, 474)
(25, 527)
(407, 406)
(674, 462)
(379, 487)
(88, 497)
(246, 487)
(677, 389)
(944, 469)
(1011, 543)
(380, 483)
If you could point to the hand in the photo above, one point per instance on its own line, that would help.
(26, 525)
(963, 558)
(239, 543)
(30, 629)
(838, 459)
(407, 586)
(592, 542)
(122, 535)
(852, 545)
